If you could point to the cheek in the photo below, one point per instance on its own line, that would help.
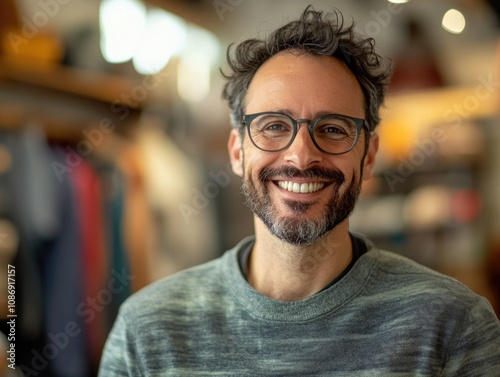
(252, 168)
(350, 167)
(356, 162)
(254, 160)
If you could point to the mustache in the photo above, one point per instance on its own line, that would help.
(314, 172)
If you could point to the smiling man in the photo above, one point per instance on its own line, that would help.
(302, 160)
(304, 296)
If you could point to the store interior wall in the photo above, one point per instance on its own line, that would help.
(111, 179)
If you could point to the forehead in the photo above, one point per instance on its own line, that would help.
(305, 84)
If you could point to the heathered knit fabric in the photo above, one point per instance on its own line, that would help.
(388, 316)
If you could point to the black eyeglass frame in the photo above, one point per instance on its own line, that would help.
(247, 120)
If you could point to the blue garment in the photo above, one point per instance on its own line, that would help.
(61, 267)
(113, 187)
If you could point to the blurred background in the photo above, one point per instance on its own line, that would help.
(113, 163)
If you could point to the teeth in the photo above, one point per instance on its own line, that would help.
(303, 188)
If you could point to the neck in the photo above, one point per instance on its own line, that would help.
(290, 273)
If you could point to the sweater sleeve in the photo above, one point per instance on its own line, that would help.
(477, 351)
(119, 358)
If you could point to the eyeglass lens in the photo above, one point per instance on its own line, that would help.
(332, 134)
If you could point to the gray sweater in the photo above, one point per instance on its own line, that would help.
(388, 316)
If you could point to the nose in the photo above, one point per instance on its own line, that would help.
(302, 153)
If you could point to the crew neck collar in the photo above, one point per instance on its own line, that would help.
(319, 304)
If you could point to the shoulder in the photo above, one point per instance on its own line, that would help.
(182, 290)
(408, 280)
(399, 268)
(199, 289)
(430, 299)
(436, 309)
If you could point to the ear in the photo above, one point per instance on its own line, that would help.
(369, 161)
(234, 148)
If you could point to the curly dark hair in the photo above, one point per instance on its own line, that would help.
(314, 33)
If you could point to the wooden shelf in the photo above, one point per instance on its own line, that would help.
(431, 107)
(64, 101)
(97, 86)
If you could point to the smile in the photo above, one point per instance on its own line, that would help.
(302, 188)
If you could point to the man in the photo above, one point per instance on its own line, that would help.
(304, 297)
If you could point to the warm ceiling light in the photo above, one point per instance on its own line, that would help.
(193, 72)
(453, 21)
(163, 37)
(151, 36)
(121, 25)
(398, 1)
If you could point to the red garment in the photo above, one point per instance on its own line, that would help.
(95, 260)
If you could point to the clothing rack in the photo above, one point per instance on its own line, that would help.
(70, 223)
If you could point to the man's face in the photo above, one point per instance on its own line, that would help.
(302, 86)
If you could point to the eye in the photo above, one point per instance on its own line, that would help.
(334, 129)
(275, 126)
(272, 125)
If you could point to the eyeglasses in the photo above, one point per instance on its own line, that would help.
(330, 133)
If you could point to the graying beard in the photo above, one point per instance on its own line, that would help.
(293, 231)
